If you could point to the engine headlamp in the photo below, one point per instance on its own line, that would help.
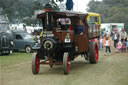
(12, 43)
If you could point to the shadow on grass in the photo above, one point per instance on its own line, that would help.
(58, 69)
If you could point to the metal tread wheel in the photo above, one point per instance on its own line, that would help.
(35, 63)
(93, 53)
(66, 63)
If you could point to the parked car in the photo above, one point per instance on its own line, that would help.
(24, 41)
(6, 38)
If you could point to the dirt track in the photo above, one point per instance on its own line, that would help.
(111, 70)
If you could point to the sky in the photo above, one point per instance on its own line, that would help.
(81, 5)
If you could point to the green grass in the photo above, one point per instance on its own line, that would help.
(15, 58)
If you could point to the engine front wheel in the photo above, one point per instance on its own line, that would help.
(66, 63)
(35, 63)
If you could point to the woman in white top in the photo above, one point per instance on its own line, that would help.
(123, 35)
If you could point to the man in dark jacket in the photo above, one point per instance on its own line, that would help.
(116, 37)
(80, 28)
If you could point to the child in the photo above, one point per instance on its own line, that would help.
(107, 43)
(118, 46)
(101, 43)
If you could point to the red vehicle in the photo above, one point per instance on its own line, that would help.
(59, 42)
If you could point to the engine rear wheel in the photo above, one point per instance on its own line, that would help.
(66, 63)
(35, 63)
(93, 53)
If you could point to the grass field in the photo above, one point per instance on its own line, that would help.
(110, 70)
(14, 58)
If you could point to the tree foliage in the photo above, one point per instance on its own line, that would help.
(113, 11)
(23, 10)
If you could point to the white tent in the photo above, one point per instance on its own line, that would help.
(111, 26)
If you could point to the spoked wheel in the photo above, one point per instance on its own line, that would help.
(35, 63)
(66, 63)
(93, 53)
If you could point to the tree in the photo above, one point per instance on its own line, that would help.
(23, 10)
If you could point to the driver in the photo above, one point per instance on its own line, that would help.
(65, 23)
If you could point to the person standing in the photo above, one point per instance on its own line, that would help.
(107, 33)
(107, 44)
(102, 32)
(101, 43)
(123, 35)
(115, 37)
(80, 28)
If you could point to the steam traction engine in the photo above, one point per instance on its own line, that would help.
(60, 44)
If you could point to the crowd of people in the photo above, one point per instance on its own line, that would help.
(120, 41)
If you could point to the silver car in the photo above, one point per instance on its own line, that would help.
(24, 41)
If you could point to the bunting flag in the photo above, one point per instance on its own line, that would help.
(69, 4)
